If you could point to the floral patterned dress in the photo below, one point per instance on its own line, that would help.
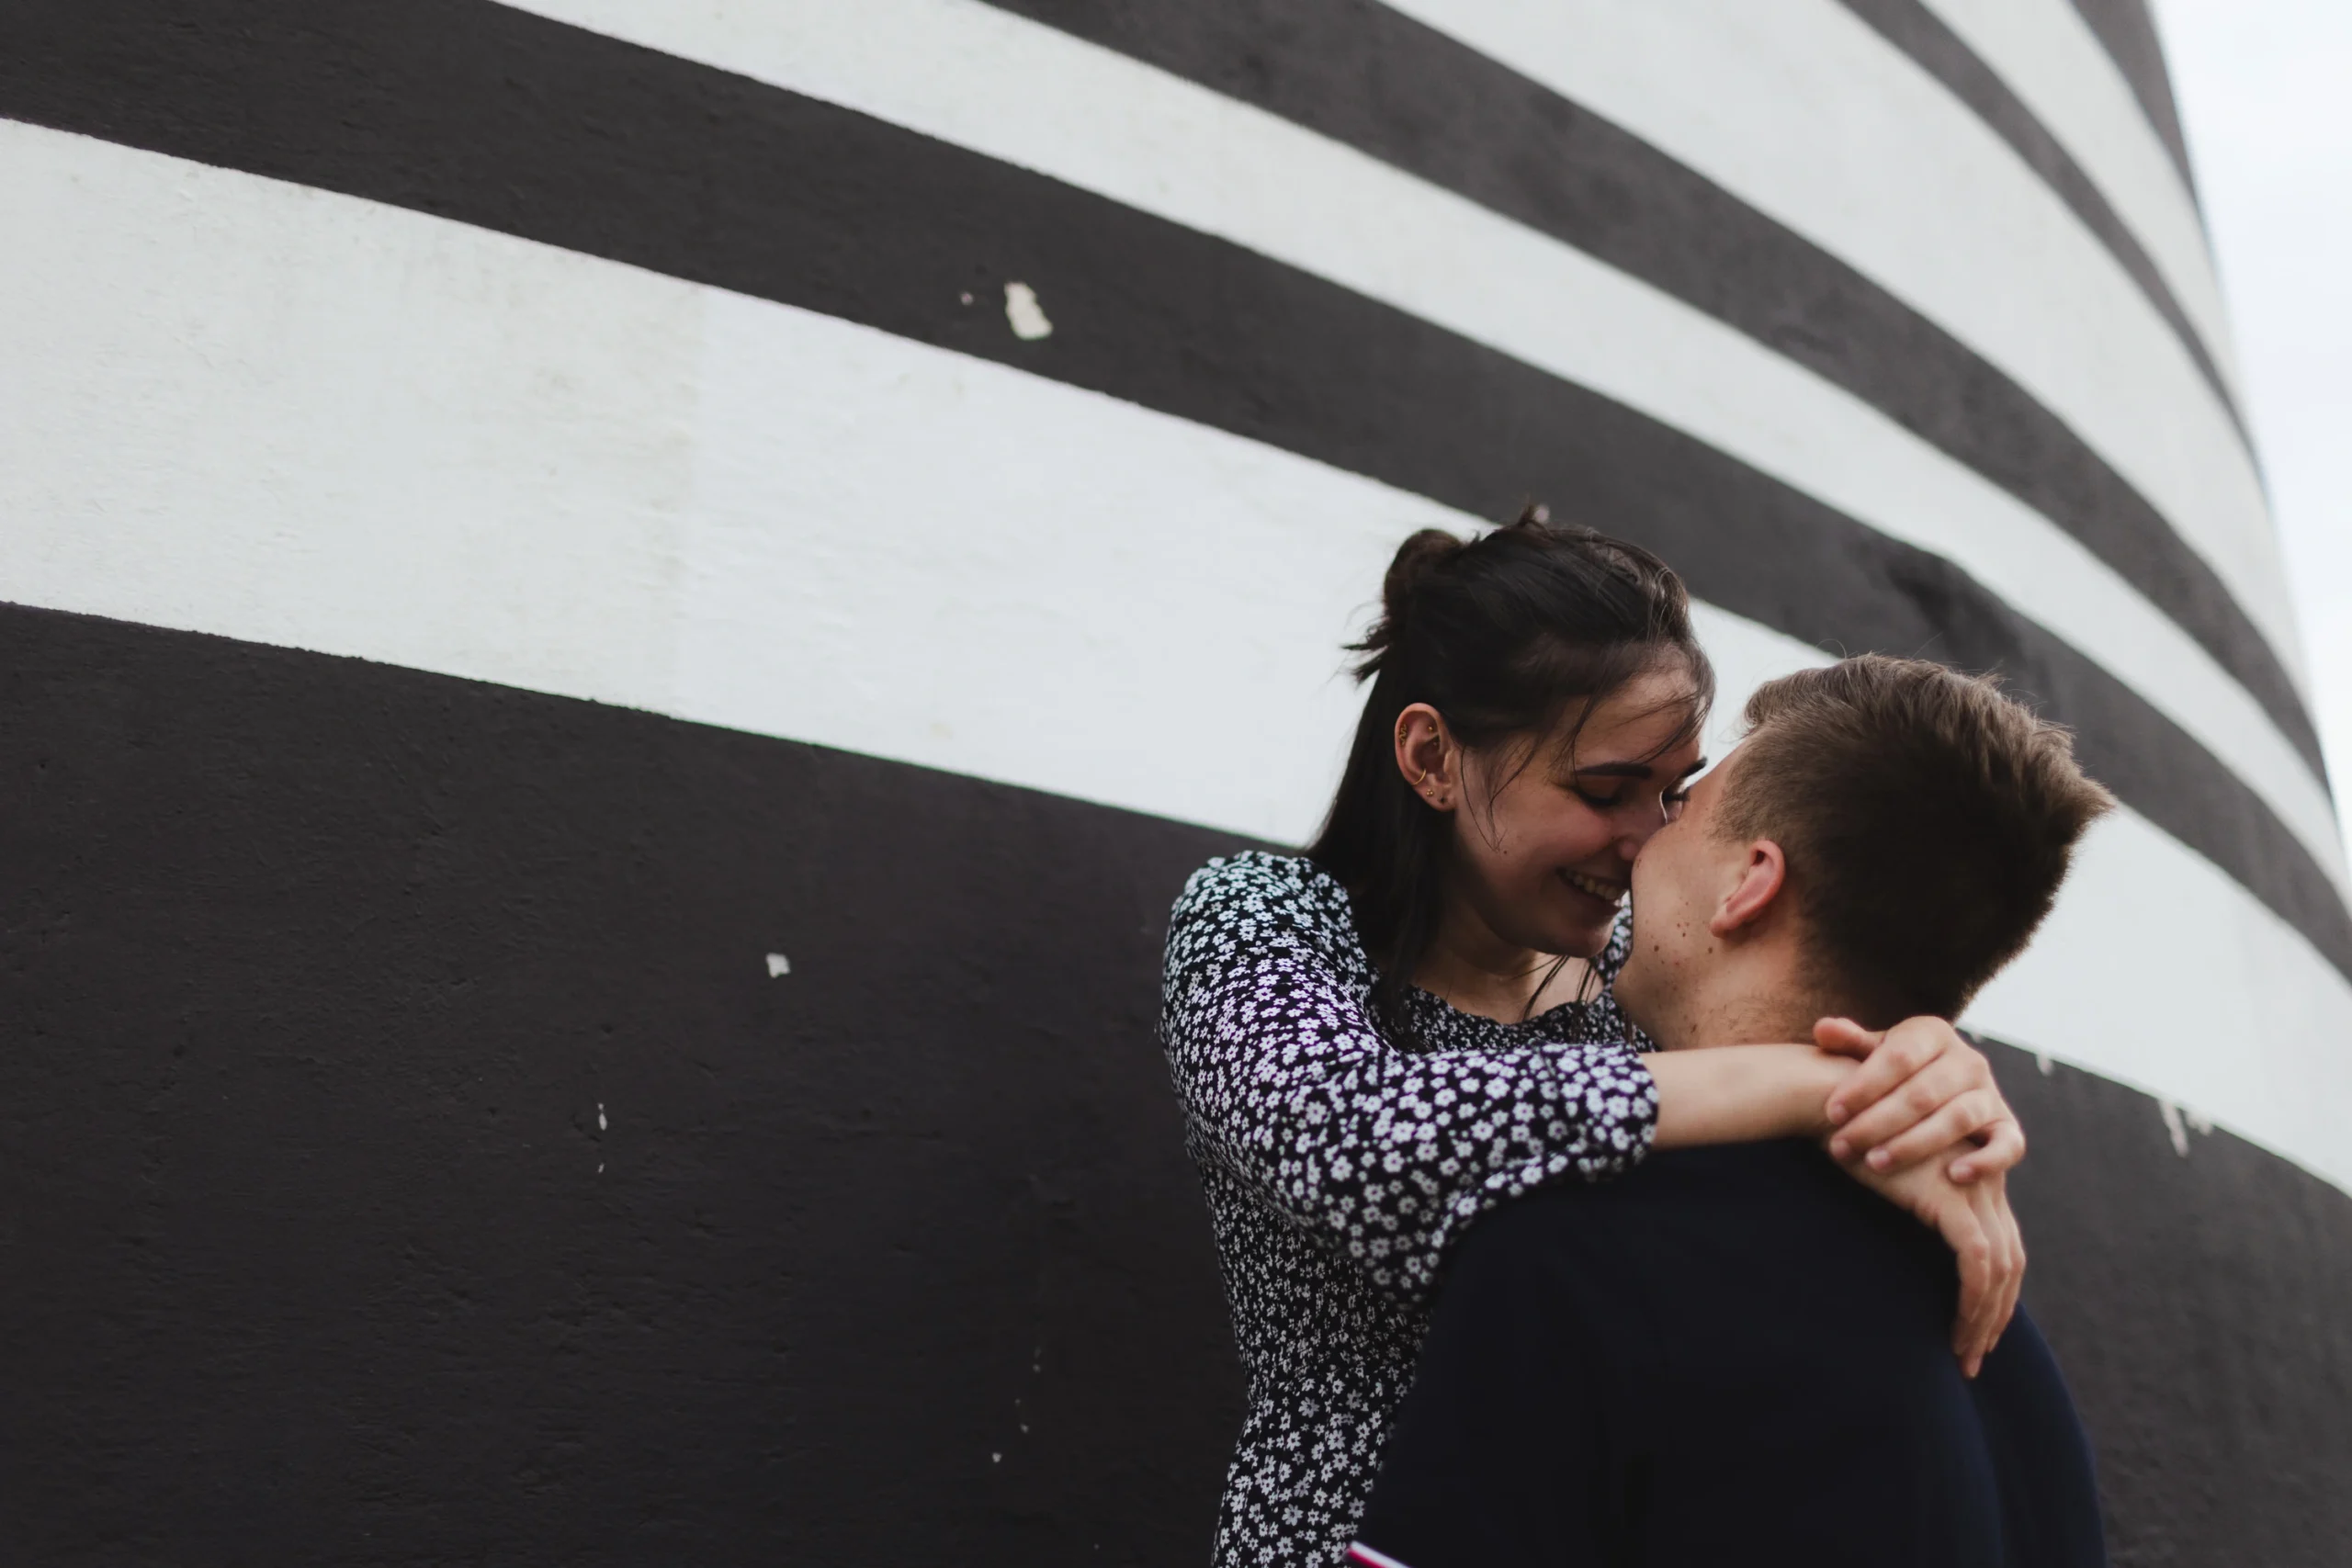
(1340, 1168)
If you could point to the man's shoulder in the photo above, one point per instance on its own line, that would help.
(1731, 1177)
(1749, 1213)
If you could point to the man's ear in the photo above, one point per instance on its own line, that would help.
(1761, 880)
(1427, 756)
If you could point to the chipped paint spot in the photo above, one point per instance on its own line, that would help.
(2171, 1114)
(2041, 1060)
(600, 1123)
(996, 1459)
(1026, 316)
(2199, 1121)
(778, 964)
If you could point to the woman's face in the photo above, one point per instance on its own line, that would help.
(1544, 840)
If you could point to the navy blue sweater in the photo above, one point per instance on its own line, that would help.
(1729, 1356)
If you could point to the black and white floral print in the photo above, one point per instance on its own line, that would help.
(1340, 1167)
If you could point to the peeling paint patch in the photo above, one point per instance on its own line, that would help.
(2042, 1060)
(1026, 316)
(2171, 1114)
(778, 964)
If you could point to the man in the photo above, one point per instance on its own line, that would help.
(1741, 1355)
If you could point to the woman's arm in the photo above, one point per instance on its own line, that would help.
(1386, 1155)
(1743, 1094)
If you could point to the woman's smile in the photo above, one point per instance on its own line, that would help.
(1608, 892)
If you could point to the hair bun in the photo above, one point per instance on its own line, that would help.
(1417, 559)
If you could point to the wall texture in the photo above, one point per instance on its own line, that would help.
(622, 617)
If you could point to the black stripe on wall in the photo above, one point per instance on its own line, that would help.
(1416, 98)
(492, 117)
(410, 1158)
(321, 972)
(2197, 1304)
(2128, 30)
(1922, 35)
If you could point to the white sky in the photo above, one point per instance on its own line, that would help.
(2266, 94)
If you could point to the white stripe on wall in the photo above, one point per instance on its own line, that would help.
(2052, 61)
(298, 418)
(968, 73)
(1803, 111)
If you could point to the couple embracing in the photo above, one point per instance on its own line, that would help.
(1556, 1236)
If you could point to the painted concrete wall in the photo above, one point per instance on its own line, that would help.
(515, 515)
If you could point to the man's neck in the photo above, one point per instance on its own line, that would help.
(1730, 1008)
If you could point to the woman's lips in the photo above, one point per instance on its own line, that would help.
(1610, 893)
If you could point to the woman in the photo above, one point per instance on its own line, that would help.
(1378, 1041)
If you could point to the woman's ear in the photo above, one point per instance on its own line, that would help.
(1427, 756)
(1763, 874)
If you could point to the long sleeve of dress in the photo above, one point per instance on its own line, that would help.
(1383, 1155)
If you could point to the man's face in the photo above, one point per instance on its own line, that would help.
(1679, 880)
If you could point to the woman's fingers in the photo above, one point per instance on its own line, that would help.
(1983, 1236)
(1944, 1080)
(1844, 1037)
(2003, 1146)
(1904, 1049)
(2017, 1259)
(1950, 1068)
(1961, 1118)
(1963, 1231)
(1990, 1204)
(2003, 1222)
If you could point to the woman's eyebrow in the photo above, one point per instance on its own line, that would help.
(1632, 770)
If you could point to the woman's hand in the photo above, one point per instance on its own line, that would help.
(1921, 1091)
(1975, 1222)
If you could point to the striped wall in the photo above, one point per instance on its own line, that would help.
(515, 515)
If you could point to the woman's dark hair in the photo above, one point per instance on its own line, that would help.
(1507, 636)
